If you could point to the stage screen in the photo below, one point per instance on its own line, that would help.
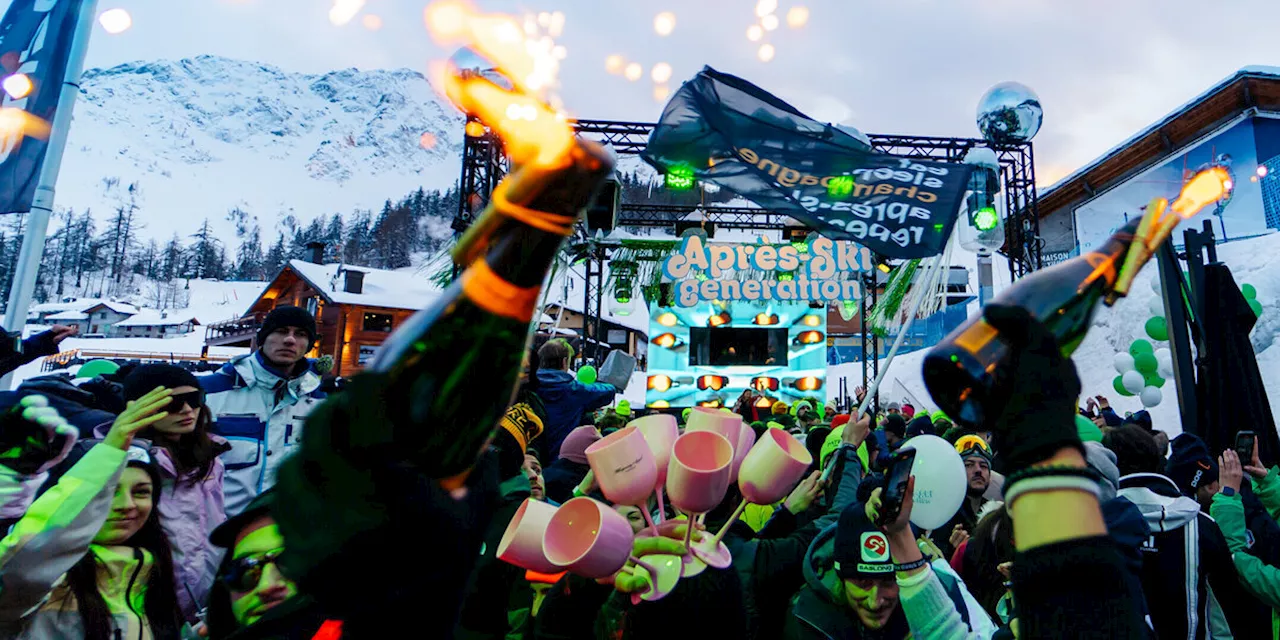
(726, 346)
(709, 354)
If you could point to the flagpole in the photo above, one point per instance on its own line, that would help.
(29, 257)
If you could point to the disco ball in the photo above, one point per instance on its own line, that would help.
(1010, 112)
(469, 62)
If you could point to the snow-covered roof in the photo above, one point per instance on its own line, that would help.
(80, 304)
(405, 289)
(637, 320)
(1255, 70)
(153, 318)
(68, 315)
(118, 307)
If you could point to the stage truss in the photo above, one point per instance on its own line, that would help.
(484, 164)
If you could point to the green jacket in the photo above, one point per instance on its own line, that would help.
(1259, 578)
(54, 534)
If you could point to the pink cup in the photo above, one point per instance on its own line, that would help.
(624, 466)
(746, 439)
(521, 544)
(660, 431)
(699, 472)
(588, 538)
(773, 467)
(726, 424)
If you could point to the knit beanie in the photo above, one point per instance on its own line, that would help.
(623, 409)
(523, 424)
(779, 408)
(861, 550)
(896, 425)
(840, 420)
(684, 415)
(920, 426)
(574, 447)
(288, 316)
(143, 379)
(1089, 432)
(1190, 465)
(1103, 460)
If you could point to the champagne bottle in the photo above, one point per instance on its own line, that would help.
(959, 370)
(451, 370)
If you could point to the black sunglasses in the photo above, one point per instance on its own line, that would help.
(244, 573)
(193, 399)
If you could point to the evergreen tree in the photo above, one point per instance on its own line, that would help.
(173, 259)
(205, 257)
(276, 258)
(249, 259)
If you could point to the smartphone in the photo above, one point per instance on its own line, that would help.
(894, 490)
(1244, 445)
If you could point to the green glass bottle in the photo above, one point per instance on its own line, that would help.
(451, 370)
(958, 371)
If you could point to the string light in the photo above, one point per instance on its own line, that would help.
(661, 73)
(18, 86)
(769, 22)
(115, 21)
(755, 32)
(633, 71)
(664, 23)
(614, 63)
(797, 17)
(766, 7)
(661, 93)
(344, 11)
(371, 22)
(766, 52)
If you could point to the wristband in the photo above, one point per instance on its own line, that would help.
(1228, 491)
(1049, 472)
(911, 566)
(1051, 483)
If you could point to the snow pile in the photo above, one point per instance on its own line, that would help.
(203, 135)
(1255, 261)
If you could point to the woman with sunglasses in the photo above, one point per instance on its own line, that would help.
(191, 477)
(89, 558)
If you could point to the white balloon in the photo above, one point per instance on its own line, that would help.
(1155, 285)
(1123, 362)
(1151, 396)
(1163, 354)
(1156, 306)
(1133, 381)
(1165, 372)
(940, 481)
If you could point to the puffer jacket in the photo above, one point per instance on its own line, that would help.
(937, 608)
(261, 415)
(566, 400)
(189, 512)
(55, 533)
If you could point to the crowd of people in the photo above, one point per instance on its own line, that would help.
(165, 519)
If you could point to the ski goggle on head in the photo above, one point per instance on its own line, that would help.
(973, 445)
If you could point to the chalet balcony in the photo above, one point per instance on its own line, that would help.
(234, 333)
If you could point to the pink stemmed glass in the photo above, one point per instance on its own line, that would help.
(521, 543)
(624, 468)
(769, 472)
(697, 479)
(660, 431)
(725, 424)
(590, 539)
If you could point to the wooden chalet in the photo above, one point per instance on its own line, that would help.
(356, 308)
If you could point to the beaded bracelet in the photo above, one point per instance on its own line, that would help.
(1051, 483)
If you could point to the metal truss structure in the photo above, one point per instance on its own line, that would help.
(484, 164)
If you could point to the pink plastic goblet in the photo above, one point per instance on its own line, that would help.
(588, 538)
(660, 431)
(769, 472)
(746, 439)
(521, 544)
(725, 424)
(624, 468)
(698, 477)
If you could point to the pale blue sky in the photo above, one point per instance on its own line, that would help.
(1103, 68)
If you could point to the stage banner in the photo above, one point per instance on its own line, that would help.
(724, 130)
(35, 39)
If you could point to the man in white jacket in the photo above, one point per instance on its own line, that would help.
(259, 403)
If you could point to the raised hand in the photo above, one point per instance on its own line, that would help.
(1255, 467)
(805, 493)
(35, 437)
(138, 415)
(1229, 471)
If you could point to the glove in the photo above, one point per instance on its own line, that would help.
(1035, 391)
(33, 437)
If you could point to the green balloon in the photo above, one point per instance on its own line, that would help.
(95, 368)
(587, 375)
(1158, 328)
(1153, 380)
(1249, 292)
(1257, 307)
(1118, 383)
(1140, 346)
(1145, 363)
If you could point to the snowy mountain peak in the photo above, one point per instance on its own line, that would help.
(203, 135)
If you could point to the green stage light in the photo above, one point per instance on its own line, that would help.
(840, 186)
(680, 178)
(985, 219)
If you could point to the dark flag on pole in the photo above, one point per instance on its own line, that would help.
(724, 130)
(35, 40)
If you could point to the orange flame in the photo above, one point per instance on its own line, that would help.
(532, 132)
(16, 123)
(1204, 189)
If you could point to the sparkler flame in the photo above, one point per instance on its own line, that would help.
(532, 132)
(1204, 189)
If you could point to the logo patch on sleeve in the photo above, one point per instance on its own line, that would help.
(875, 547)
